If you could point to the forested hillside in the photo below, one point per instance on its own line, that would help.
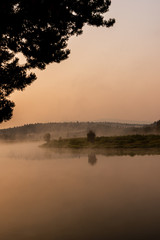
(75, 129)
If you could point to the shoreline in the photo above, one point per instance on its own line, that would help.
(114, 142)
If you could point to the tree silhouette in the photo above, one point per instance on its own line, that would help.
(47, 137)
(91, 136)
(39, 29)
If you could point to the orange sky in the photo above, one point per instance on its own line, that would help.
(111, 74)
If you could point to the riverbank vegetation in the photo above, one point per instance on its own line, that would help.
(69, 130)
(130, 141)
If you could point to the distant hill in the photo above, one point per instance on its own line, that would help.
(76, 129)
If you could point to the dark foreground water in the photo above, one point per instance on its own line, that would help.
(55, 196)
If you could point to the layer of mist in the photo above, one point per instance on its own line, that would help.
(70, 130)
(77, 195)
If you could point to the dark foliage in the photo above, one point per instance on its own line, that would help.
(39, 29)
(157, 125)
(47, 137)
(91, 136)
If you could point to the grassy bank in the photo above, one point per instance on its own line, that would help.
(130, 141)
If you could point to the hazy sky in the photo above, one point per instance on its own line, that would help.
(111, 74)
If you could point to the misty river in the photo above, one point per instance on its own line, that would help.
(46, 195)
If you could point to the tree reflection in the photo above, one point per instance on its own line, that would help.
(92, 158)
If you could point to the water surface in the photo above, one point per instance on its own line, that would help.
(75, 196)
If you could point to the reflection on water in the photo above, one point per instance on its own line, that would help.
(92, 159)
(63, 197)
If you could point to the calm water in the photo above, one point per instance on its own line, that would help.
(54, 196)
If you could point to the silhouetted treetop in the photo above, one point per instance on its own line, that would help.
(91, 136)
(39, 29)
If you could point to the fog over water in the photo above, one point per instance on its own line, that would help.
(74, 196)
